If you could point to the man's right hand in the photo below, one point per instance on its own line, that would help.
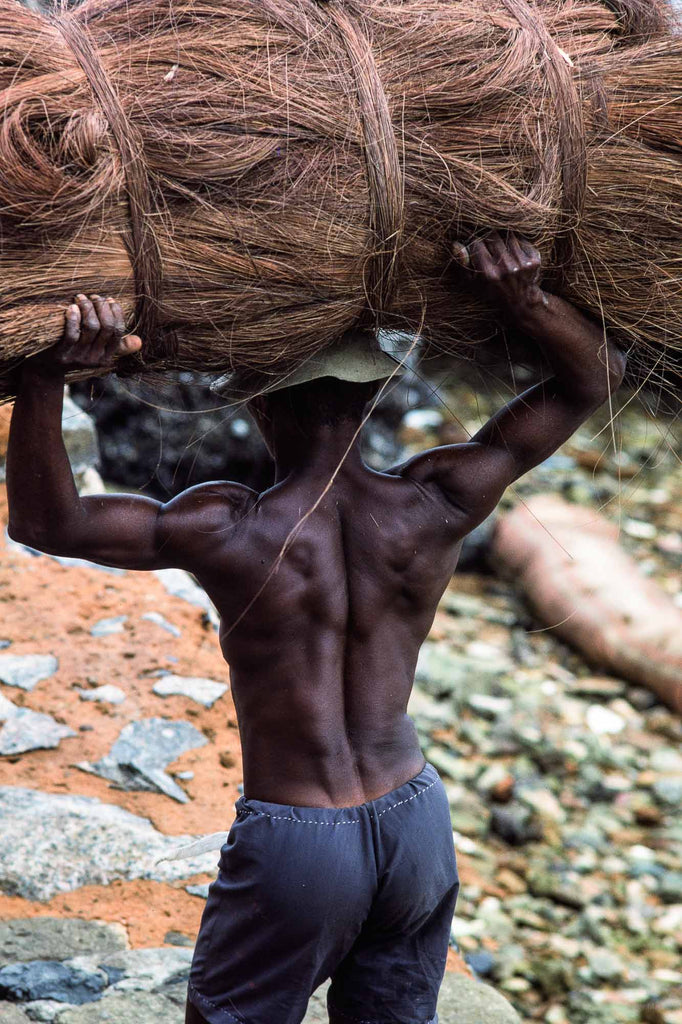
(94, 339)
(508, 271)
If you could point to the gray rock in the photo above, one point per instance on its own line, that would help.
(180, 584)
(607, 965)
(143, 749)
(317, 1007)
(203, 691)
(515, 824)
(107, 694)
(52, 843)
(490, 707)
(141, 970)
(50, 979)
(53, 938)
(24, 729)
(670, 888)
(554, 886)
(126, 1008)
(467, 1001)
(159, 620)
(25, 670)
(10, 1013)
(109, 627)
(668, 790)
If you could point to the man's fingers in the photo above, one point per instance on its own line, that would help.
(460, 254)
(119, 318)
(129, 345)
(89, 320)
(481, 259)
(72, 325)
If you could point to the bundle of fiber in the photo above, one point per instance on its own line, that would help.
(253, 177)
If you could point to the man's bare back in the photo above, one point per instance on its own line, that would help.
(326, 584)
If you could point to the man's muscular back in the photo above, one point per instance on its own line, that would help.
(322, 614)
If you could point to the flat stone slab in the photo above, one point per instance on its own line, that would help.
(203, 691)
(26, 670)
(24, 729)
(54, 938)
(52, 843)
(126, 1008)
(143, 749)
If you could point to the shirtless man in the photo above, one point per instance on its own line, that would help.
(340, 862)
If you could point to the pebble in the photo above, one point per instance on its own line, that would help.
(544, 802)
(552, 885)
(107, 694)
(515, 824)
(597, 686)
(639, 529)
(109, 627)
(606, 965)
(602, 721)
(490, 707)
(203, 691)
(26, 670)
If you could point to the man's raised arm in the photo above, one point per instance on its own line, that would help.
(586, 367)
(45, 509)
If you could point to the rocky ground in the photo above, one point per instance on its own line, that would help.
(118, 742)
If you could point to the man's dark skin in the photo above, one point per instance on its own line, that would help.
(322, 644)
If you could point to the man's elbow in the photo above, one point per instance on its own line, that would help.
(594, 390)
(39, 538)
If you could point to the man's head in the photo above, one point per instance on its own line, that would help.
(303, 411)
(329, 389)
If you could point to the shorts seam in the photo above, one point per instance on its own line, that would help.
(333, 824)
(221, 1009)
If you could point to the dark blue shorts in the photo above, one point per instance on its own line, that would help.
(362, 895)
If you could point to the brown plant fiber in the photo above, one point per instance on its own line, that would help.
(253, 177)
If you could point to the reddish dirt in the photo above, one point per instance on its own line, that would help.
(48, 609)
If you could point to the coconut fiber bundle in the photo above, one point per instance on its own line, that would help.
(253, 177)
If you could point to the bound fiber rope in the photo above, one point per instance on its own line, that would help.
(144, 251)
(567, 155)
(384, 172)
(253, 177)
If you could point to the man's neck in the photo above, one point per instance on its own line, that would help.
(328, 450)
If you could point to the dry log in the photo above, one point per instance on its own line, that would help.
(584, 587)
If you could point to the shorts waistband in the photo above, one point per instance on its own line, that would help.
(427, 778)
